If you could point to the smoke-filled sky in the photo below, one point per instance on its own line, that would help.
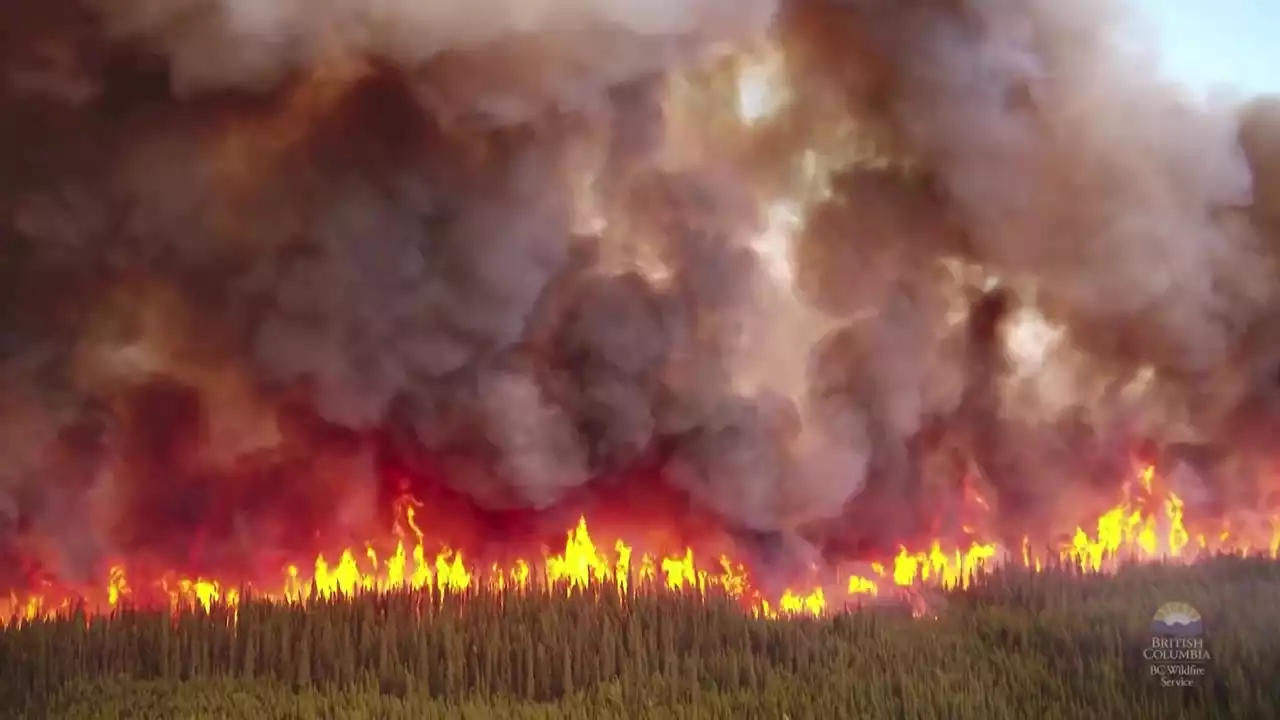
(1213, 43)
(267, 262)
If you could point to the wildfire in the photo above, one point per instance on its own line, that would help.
(1146, 525)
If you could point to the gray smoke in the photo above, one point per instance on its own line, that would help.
(252, 240)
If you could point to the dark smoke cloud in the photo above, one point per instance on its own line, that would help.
(268, 263)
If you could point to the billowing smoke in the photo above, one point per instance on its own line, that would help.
(266, 265)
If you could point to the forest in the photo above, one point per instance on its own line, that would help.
(1013, 644)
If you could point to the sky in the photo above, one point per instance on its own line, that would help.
(1209, 44)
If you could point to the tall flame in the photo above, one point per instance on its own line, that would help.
(1148, 524)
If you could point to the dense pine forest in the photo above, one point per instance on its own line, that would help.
(1014, 645)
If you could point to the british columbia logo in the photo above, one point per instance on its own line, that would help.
(1177, 654)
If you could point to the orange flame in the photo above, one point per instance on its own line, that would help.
(1147, 524)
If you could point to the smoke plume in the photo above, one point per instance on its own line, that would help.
(268, 265)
